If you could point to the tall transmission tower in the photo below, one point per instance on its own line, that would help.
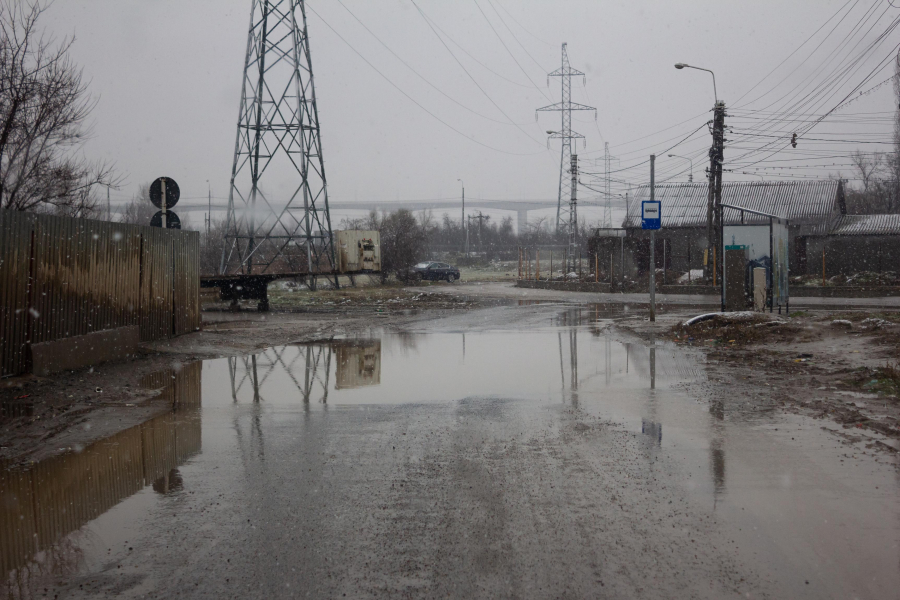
(566, 220)
(284, 226)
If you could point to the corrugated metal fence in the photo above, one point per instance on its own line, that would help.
(61, 277)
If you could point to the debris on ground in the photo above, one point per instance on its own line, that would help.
(841, 365)
(861, 279)
(692, 276)
(731, 328)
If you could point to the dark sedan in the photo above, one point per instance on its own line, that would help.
(435, 271)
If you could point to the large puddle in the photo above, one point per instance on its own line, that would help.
(786, 487)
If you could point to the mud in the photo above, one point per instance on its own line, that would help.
(37, 410)
(846, 373)
(536, 448)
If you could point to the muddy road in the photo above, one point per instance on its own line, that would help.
(528, 450)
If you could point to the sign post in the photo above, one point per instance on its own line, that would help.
(164, 194)
(162, 183)
(651, 219)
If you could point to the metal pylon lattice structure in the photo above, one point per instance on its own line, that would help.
(249, 374)
(607, 191)
(566, 220)
(284, 226)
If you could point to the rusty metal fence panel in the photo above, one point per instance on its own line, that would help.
(62, 277)
(15, 256)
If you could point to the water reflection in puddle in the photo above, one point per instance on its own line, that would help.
(45, 503)
(795, 496)
(443, 367)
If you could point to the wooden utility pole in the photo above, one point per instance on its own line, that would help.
(714, 199)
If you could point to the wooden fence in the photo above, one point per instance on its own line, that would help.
(62, 277)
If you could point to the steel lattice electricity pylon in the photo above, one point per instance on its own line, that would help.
(285, 226)
(566, 221)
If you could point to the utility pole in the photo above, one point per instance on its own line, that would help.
(565, 108)
(714, 199)
(652, 243)
(573, 213)
(108, 206)
(462, 220)
(209, 207)
(481, 218)
(607, 206)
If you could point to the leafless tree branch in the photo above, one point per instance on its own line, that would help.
(44, 105)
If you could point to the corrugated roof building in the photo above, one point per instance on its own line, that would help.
(856, 243)
(821, 233)
(866, 225)
(810, 206)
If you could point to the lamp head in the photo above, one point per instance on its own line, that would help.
(680, 65)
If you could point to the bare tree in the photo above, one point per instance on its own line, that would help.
(44, 104)
(867, 167)
(404, 240)
(139, 210)
(211, 244)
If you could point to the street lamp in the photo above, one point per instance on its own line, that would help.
(685, 65)
(690, 160)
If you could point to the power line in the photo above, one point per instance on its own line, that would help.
(524, 49)
(417, 74)
(466, 71)
(413, 100)
(508, 14)
(469, 54)
(478, 6)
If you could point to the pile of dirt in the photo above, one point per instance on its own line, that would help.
(738, 329)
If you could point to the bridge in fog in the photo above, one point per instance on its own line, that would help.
(451, 207)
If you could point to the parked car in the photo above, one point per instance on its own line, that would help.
(435, 271)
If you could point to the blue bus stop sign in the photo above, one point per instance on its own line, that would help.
(650, 215)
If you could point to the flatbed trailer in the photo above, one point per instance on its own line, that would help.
(256, 286)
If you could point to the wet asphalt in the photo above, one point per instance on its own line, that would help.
(515, 452)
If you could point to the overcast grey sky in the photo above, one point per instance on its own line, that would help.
(167, 75)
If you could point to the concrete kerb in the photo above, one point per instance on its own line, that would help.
(588, 293)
